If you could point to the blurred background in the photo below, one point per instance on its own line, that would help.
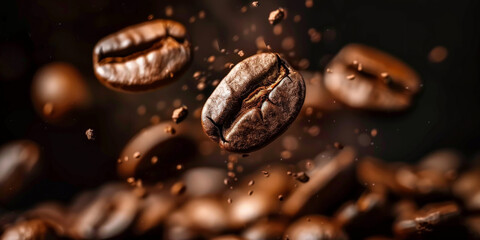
(444, 114)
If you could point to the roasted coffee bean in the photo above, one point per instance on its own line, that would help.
(19, 166)
(105, 214)
(425, 220)
(54, 214)
(153, 211)
(266, 230)
(29, 230)
(314, 227)
(467, 188)
(254, 103)
(327, 176)
(59, 92)
(198, 218)
(166, 149)
(143, 56)
(365, 78)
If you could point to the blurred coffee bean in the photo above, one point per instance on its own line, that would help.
(314, 227)
(446, 161)
(19, 166)
(59, 92)
(153, 211)
(366, 78)
(153, 154)
(325, 180)
(199, 217)
(35, 229)
(430, 218)
(317, 97)
(142, 57)
(228, 237)
(467, 188)
(204, 181)
(246, 208)
(108, 214)
(52, 213)
(367, 216)
(254, 103)
(267, 229)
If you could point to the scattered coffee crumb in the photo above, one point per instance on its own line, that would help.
(179, 167)
(141, 110)
(136, 155)
(384, 75)
(243, 9)
(329, 70)
(48, 109)
(280, 197)
(251, 183)
(201, 14)
(168, 11)
(266, 174)
(170, 129)
(226, 181)
(309, 3)
(130, 180)
(229, 200)
(178, 188)
(351, 77)
(374, 132)
(438, 54)
(254, 4)
(302, 177)
(360, 67)
(250, 193)
(180, 114)
(276, 16)
(241, 53)
(154, 159)
(89, 134)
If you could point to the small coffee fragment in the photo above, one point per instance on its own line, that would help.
(302, 177)
(178, 188)
(180, 114)
(276, 16)
(89, 134)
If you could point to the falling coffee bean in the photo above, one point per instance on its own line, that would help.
(59, 93)
(357, 77)
(254, 103)
(142, 57)
(167, 151)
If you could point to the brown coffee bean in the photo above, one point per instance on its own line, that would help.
(314, 227)
(266, 230)
(321, 177)
(30, 230)
(54, 214)
(59, 92)
(106, 214)
(467, 188)
(19, 166)
(153, 211)
(170, 150)
(383, 83)
(425, 220)
(254, 103)
(143, 56)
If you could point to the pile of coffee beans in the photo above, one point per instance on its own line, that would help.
(166, 186)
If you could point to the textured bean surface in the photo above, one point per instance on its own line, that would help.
(254, 103)
(142, 57)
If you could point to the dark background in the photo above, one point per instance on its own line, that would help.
(33, 33)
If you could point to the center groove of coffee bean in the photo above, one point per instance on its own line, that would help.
(134, 51)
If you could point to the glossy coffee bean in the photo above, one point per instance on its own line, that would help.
(429, 219)
(59, 92)
(19, 166)
(254, 103)
(143, 56)
(366, 78)
(314, 227)
(106, 214)
(29, 230)
(154, 152)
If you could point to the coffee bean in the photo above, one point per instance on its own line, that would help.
(271, 229)
(143, 56)
(366, 88)
(20, 164)
(59, 93)
(254, 103)
(154, 210)
(169, 150)
(314, 227)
